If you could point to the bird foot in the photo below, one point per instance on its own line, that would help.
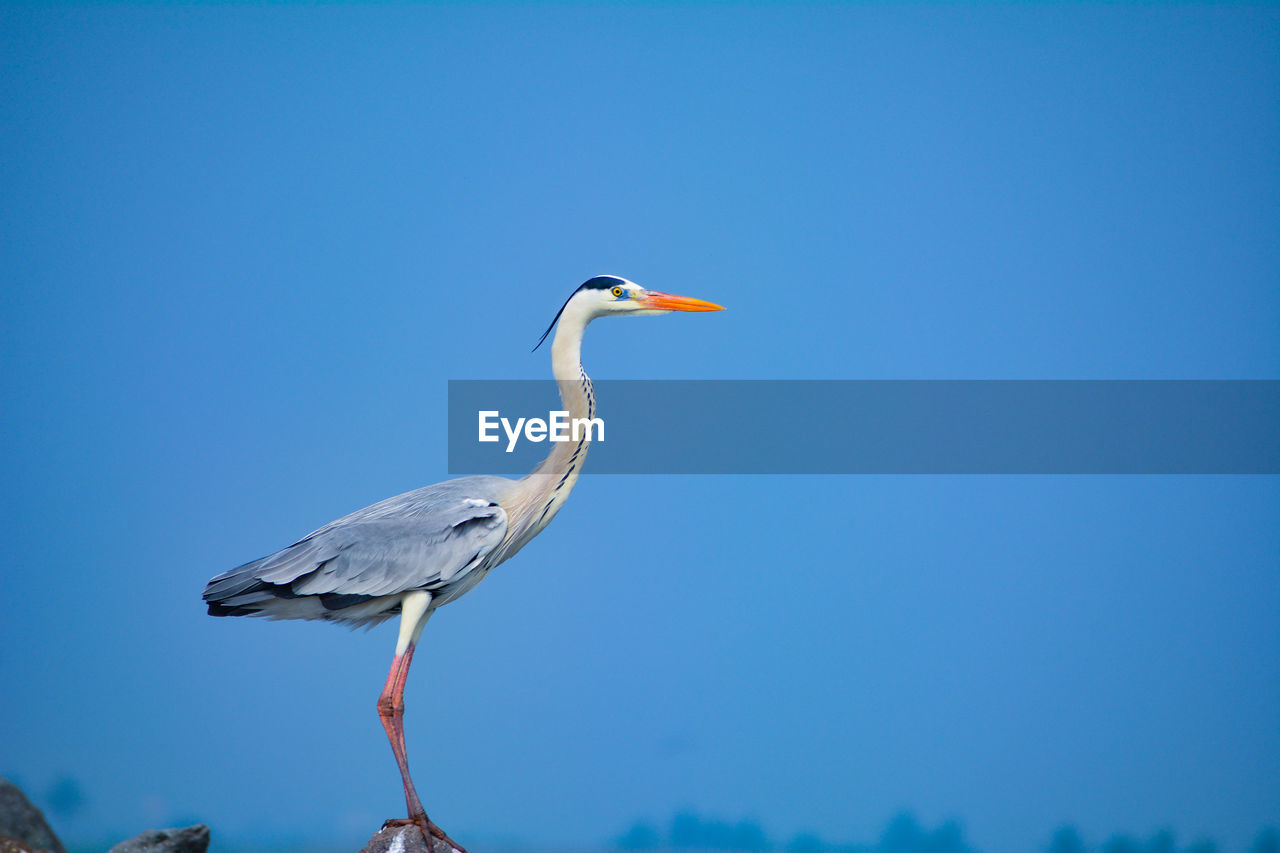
(429, 829)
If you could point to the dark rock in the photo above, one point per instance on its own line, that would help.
(405, 838)
(24, 823)
(189, 839)
(9, 845)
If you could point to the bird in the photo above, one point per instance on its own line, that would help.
(410, 554)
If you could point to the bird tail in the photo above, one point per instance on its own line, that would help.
(243, 592)
(240, 592)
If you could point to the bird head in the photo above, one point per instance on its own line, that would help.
(610, 295)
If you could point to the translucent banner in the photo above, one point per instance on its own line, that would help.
(875, 427)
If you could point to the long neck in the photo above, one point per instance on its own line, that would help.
(539, 496)
(578, 398)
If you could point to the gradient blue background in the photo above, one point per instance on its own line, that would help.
(244, 247)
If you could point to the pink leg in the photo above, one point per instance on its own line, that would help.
(391, 711)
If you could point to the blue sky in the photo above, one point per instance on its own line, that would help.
(245, 247)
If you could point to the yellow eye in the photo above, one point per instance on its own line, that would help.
(617, 292)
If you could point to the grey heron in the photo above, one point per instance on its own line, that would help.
(412, 553)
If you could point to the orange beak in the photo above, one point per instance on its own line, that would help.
(669, 302)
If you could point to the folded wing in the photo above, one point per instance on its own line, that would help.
(356, 568)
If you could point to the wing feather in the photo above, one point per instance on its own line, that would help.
(431, 539)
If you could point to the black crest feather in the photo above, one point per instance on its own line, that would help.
(600, 282)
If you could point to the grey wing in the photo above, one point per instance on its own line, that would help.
(354, 569)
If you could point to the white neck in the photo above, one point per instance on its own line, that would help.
(538, 497)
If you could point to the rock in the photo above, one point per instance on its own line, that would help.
(9, 845)
(405, 838)
(189, 839)
(24, 823)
